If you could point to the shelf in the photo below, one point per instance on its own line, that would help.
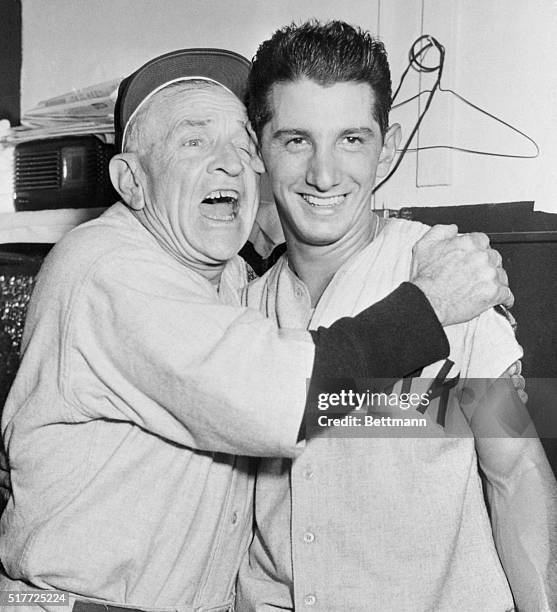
(42, 226)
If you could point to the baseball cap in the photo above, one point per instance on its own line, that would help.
(221, 66)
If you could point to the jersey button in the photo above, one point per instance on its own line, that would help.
(234, 518)
(309, 600)
(308, 537)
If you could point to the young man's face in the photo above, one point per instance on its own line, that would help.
(323, 151)
(201, 189)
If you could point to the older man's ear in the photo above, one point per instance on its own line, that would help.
(256, 159)
(257, 163)
(124, 171)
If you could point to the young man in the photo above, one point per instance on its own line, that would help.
(418, 535)
(145, 386)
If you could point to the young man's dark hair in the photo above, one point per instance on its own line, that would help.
(326, 53)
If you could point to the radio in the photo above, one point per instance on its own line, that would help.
(64, 172)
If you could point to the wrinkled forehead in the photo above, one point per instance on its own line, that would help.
(197, 101)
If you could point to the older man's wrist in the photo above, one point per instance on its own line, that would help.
(389, 339)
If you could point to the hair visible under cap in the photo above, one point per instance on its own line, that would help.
(326, 53)
(132, 139)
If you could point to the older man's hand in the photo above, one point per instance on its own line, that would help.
(515, 372)
(460, 274)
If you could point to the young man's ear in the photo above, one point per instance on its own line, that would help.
(124, 172)
(390, 146)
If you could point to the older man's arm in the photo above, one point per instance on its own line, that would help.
(522, 495)
(177, 362)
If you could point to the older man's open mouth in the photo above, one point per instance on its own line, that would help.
(220, 205)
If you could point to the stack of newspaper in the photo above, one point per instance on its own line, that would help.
(79, 112)
(84, 111)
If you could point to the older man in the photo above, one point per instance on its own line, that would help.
(359, 522)
(144, 385)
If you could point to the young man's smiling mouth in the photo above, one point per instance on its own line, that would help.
(323, 201)
(220, 205)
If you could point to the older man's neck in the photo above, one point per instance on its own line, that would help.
(213, 275)
(210, 271)
(316, 265)
(167, 240)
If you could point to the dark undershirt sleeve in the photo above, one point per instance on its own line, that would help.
(389, 340)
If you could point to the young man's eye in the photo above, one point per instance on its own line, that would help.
(353, 140)
(293, 144)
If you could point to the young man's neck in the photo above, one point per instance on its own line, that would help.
(316, 265)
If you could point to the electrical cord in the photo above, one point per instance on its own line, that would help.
(413, 58)
(417, 51)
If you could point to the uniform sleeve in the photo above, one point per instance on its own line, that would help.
(143, 345)
(492, 347)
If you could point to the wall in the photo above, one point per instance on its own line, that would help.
(498, 55)
(89, 41)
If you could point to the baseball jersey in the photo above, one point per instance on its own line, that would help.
(141, 394)
(379, 522)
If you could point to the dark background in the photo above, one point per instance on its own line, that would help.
(10, 59)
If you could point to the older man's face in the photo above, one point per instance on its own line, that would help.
(201, 188)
